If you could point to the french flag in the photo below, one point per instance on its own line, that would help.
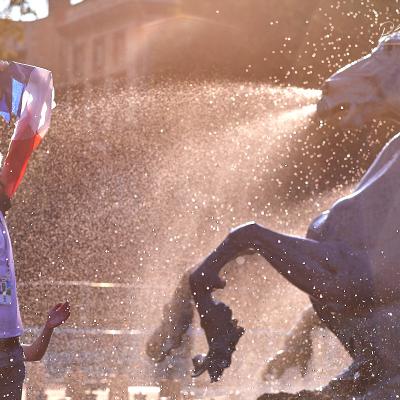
(26, 92)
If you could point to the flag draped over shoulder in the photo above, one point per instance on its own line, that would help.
(26, 92)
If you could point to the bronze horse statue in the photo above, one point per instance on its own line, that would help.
(348, 262)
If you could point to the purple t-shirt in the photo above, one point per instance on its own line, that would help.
(10, 318)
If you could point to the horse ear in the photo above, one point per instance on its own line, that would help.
(386, 29)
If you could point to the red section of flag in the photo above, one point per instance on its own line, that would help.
(16, 162)
(32, 123)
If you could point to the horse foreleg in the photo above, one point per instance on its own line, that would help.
(297, 349)
(176, 320)
(312, 266)
(308, 264)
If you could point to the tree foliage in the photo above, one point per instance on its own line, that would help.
(11, 36)
(11, 33)
(22, 5)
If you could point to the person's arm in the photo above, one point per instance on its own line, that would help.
(57, 316)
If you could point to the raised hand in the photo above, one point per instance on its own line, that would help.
(58, 315)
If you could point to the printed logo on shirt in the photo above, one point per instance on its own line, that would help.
(5, 290)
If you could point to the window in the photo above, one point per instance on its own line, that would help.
(78, 57)
(99, 54)
(119, 47)
(64, 60)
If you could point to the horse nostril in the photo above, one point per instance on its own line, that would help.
(325, 111)
(341, 108)
(325, 88)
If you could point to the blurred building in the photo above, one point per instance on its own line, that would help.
(286, 41)
(93, 40)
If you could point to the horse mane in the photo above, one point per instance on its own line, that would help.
(387, 29)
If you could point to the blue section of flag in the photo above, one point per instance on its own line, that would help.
(13, 81)
(17, 91)
(4, 110)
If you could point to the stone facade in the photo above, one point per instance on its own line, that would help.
(92, 41)
(281, 41)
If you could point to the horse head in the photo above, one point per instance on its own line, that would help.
(365, 89)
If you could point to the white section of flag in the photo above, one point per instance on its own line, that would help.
(37, 104)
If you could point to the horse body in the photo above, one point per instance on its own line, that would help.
(368, 223)
(348, 263)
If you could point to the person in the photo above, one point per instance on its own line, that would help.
(18, 82)
(12, 369)
(12, 353)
